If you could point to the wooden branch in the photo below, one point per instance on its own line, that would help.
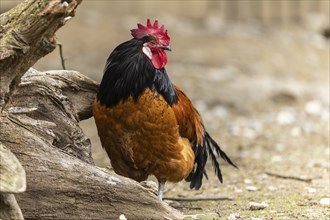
(27, 34)
(283, 176)
(63, 187)
(42, 130)
(185, 199)
(40, 112)
(50, 104)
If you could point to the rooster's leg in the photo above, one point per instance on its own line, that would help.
(161, 186)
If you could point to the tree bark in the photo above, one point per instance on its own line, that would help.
(12, 180)
(39, 115)
(27, 34)
(9, 208)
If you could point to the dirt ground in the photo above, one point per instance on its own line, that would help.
(263, 92)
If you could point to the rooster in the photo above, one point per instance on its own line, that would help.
(146, 124)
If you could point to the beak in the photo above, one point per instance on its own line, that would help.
(166, 48)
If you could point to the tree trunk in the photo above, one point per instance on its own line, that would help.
(39, 115)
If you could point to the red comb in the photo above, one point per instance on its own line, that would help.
(151, 29)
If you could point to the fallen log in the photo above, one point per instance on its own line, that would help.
(41, 129)
(39, 115)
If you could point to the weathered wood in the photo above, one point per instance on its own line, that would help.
(49, 105)
(27, 34)
(12, 174)
(9, 209)
(39, 115)
(12, 180)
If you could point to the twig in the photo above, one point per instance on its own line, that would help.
(304, 179)
(61, 55)
(198, 199)
(186, 207)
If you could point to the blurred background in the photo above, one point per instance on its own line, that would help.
(258, 71)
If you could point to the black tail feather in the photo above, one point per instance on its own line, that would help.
(217, 148)
(215, 162)
(211, 148)
(196, 176)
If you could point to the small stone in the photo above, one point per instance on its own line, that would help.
(255, 125)
(285, 118)
(233, 216)
(318, 163)
(201, 106)
(251, 188)
(295, 131)
(122, 217)
(257, 206)
(272, 188)
(249, 133)
(313, 107)
(256, 218)
(325, 115)
(327, 151)
(311, 190)
(311, 128)
(247, 181)
(219, 112)
(194, 217)
(277, 158)
(279, 147)
(325, 201)
(262, 176)
(234, 129)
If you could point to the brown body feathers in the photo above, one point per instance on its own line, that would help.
(142, 138)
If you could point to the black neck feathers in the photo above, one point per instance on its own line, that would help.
(128, 72)
(163, 85)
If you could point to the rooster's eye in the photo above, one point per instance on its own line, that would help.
(152, 43)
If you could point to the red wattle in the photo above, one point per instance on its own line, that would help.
(159, 58)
